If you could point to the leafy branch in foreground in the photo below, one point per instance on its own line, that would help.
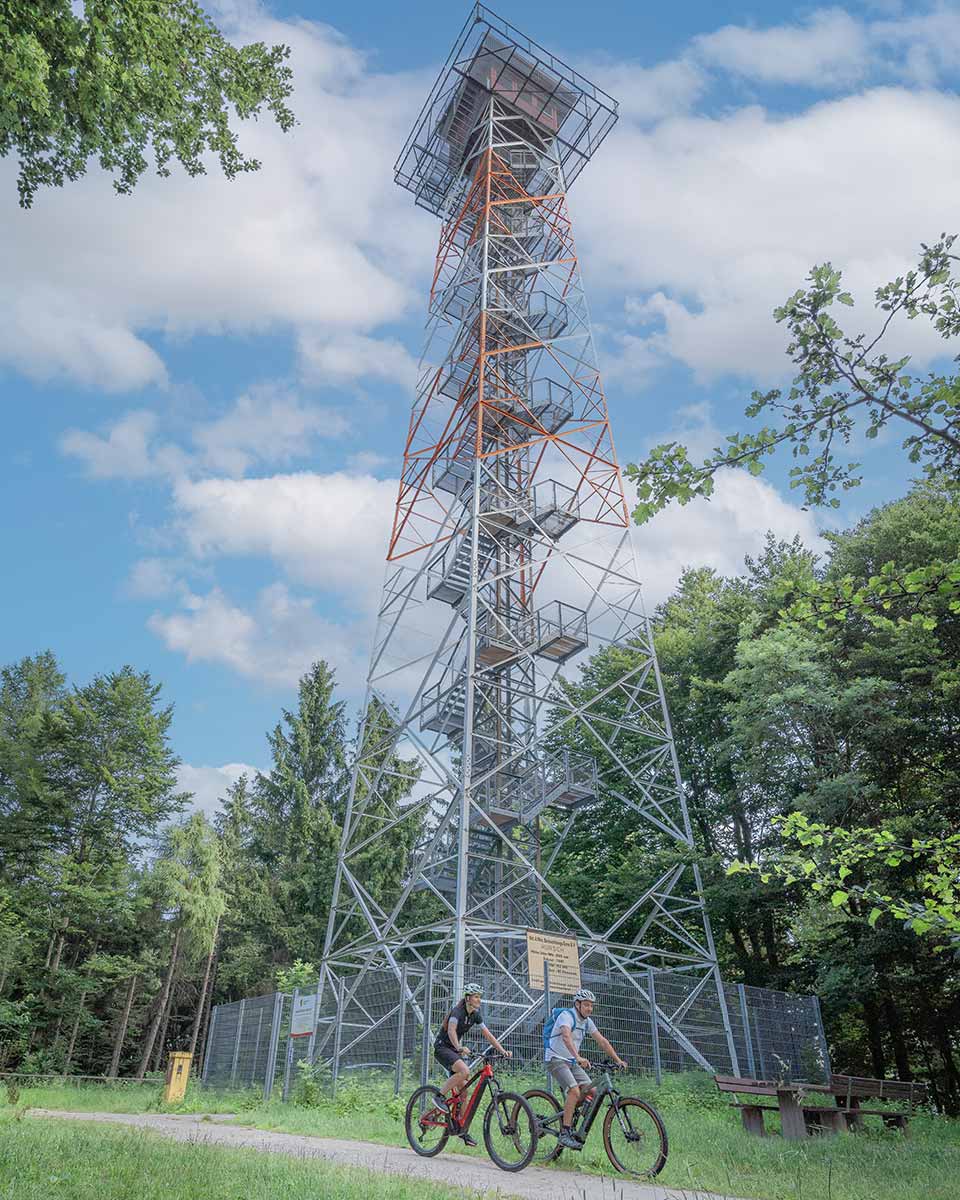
(891, 597)
(851, 866)
(843, 384)
(122, 76)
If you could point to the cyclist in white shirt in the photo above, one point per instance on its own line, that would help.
(566, 1064)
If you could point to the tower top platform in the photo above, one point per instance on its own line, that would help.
(491, 58)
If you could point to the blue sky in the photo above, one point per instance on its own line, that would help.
(205, 386)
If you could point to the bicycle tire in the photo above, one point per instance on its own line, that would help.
(548, 1146)
(611, 1123)
(428, 1097)
(514, 1109)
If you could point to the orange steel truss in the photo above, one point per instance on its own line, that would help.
(476, 427)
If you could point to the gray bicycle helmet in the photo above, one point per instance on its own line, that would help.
(584, 994)
(472, 989)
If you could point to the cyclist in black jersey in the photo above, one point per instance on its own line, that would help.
(447, 1049)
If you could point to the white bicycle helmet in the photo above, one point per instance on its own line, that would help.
(584, 994)
(472, 989)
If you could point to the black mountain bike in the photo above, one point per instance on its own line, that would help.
(634, 1135)
(509, 1126)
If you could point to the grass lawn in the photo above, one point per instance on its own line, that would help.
(708, 1148)
(41, 1160)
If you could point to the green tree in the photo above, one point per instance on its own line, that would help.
(280, 837)
(122, 79)
(186, 877)
(299, 974)
(31, 811)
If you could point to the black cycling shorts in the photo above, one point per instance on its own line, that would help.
(446, 1056)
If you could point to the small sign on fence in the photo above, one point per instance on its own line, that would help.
(303, 1019)
(561, 953)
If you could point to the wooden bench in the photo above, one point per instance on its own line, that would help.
(850, 1090)
(789, 1097)
(800, 1117)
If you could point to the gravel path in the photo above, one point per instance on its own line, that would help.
(474, 1175)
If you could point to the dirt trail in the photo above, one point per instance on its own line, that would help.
(473, 1175)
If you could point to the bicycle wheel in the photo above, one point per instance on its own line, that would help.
(634, 1137)
(545, 1106)
(510, 1131)
(426, 1126)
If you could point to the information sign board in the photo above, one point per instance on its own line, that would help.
(561, 953)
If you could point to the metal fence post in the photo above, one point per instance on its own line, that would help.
(211, 1028)
(547, 1009)
(427, 1023)
(288, 1057)
(337, 1035)
(654, 1026)
(401, 1022)
(824, 1049)
(256, 1051)
(236, 1044)
(747, 1037)
(271, 1068)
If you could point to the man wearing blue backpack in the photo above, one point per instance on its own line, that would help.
(563, 1036)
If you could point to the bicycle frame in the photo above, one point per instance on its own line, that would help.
(487, 1080)
(601, 1090)
(464, 1110)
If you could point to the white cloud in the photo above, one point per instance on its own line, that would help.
(264, 426)
(717, 533)
(150, 578)
(47, 335)
(274, 643)
(209, 784)
(926, 45)
(646, 94)
(319, 241)
(829, 49)
(713, 222)
(326, 530)
(343, 357)
(267, 425)
(124, 451)
(629, 360)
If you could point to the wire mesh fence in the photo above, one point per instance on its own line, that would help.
(385, 1021)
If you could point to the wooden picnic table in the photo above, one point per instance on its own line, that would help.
(800, 1116)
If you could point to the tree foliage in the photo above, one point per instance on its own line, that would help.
(850, 865)
(844, 383)
(850, 729)
(121, 80)
(121, 918)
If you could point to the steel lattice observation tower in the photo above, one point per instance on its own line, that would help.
(510, 563)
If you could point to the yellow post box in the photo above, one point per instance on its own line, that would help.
(178, 1072)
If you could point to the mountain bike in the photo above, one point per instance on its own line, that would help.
(634, 1135)
(509, 1126)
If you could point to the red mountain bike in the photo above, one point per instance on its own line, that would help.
(509, 1126)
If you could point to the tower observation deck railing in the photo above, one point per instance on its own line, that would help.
(493, 59)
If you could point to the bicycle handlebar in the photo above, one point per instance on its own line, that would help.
(478, 1055)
